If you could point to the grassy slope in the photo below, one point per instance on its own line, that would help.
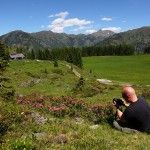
(130, 69)
(79, 136)
(41, 73)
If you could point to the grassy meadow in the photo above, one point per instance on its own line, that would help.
(130, 69)
(72, 131)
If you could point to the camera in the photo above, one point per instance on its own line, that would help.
(118, 101)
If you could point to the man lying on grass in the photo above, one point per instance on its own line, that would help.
(136, 116)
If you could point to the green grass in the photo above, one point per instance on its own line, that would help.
(130, 69)
(46, 79)
(60, 81)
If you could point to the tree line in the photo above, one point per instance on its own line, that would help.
(105, 50)
(147, 50)
(71, 55)
(74, 55)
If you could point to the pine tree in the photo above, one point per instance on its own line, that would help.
(32, 54)
(4, 57)
(39, 54)
(55, 63)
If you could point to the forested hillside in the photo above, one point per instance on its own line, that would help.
(139, 38)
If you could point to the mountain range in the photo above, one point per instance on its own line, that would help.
(49, 39)
(140, 38)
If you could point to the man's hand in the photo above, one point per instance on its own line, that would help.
(125, 104)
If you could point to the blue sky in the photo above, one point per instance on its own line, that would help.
(73, 16)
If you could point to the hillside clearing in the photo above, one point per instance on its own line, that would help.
(129, 69)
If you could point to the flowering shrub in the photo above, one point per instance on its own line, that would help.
(65, 105)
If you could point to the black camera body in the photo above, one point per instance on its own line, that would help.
(118, 101)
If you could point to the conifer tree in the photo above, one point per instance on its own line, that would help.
(32, 54)
(55, 63)
(4, 56)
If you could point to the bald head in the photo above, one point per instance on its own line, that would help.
(128, 93)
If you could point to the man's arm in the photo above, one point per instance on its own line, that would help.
(119, 114)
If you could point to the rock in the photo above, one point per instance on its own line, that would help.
(38, 118)
(104, 81)
(40, 135)
(94, 127)
(79, 120)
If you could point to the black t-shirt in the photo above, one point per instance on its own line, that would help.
(138, 115)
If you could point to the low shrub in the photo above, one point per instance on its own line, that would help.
(22, 145)
(3, 128)
(57, 71)
(67, 106)
(7, 91)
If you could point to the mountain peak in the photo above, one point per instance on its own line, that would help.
(103, 33)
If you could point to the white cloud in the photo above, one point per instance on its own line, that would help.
(58, 29)
(58, 21)
(59, 24)
(114, 29)
(75, 22)
(90, 31)
(61, 15)
(106, 19)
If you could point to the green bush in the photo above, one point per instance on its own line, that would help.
(58, 71)
(22, 145)
(7, 91)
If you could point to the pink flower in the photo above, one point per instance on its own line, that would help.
(39, 105)
(56, 108)
(95, 106)
(63, 106)
(20, 100)
(73, 102)
(49, 108)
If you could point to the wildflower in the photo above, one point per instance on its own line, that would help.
(73, 102)
(20, 100)
(49, 108)
(39, 105)
(56, 108)
(95, 106)
(63, 106)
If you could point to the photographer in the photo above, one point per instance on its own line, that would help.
(136, 116)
